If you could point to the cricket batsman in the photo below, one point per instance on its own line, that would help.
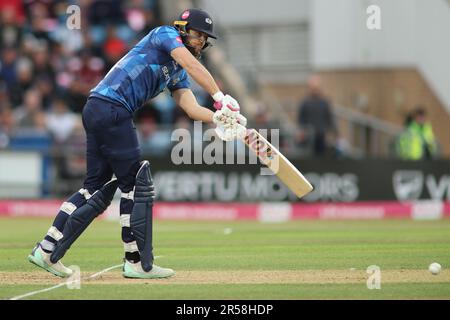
(162, 59)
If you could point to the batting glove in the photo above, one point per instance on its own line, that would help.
(231, 132)
(227, 101)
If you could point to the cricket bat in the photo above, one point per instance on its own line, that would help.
(277, 163)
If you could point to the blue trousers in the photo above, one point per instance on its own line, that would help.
(112, 148)
(112, 145)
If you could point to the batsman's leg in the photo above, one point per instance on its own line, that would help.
(67, 208)
(98, 174)
(82, 218)
(121, 148)
(75, 224)
(40, 254)
(126, 187)
(137, 223)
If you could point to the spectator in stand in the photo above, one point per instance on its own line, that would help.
(24, 81)
(30, 114)
(14, 11)
(140, 16)
(100, 11)
(7, 122)
(316, 120)
(61, 122)
(114, 48)
(45, 86)
(85, 71)
(10, 30)
(417, 141)
(41, 62)
(39, 18)
(4, 98)
(8, 65)
(91, 70)
(30, 6)
(40, 59)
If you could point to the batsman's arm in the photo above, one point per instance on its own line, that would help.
(195, 69)
(187, 101)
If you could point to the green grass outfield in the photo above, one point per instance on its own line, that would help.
(242, 260)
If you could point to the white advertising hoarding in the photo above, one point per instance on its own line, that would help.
(20, 174)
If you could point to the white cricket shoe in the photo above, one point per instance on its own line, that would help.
(42, 259)
(134, 270)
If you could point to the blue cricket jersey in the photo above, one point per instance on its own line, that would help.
(144, 71)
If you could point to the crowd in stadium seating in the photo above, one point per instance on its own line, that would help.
(47, 69)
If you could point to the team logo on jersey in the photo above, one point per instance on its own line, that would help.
(166, 73)
(208, 21)
(185, 15)
(179, 39)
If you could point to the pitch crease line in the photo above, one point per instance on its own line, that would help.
(36, 292)
(32, 293)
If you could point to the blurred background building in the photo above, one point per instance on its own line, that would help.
(311, 68)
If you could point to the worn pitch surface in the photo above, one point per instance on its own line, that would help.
(242, 260)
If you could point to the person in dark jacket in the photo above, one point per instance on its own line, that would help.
(315, 119)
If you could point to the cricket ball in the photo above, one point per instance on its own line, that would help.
(434, 268)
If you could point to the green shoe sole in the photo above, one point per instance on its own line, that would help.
(139, 276)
